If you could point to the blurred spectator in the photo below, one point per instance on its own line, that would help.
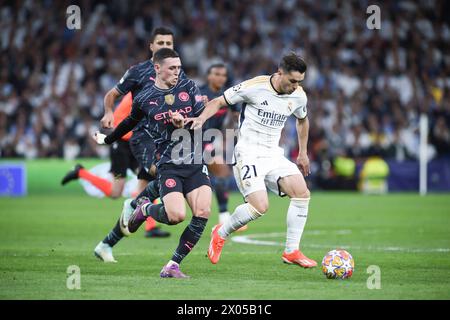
(366, 88)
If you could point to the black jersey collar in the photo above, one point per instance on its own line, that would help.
(270, 80)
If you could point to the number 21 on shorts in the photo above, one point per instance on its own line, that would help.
(249, 171)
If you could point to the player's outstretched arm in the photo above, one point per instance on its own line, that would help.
(108, 103)
(122, 129)
(302, 126)
(211, 109)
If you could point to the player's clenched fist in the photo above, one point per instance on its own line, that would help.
(108, 120)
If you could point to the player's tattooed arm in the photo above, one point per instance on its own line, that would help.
(302, 134)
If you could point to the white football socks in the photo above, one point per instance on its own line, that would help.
(240, 217)
(223, 217)
(296, 220)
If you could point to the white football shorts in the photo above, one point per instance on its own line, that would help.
(259, 173)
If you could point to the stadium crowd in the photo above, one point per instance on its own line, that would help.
(366, 88)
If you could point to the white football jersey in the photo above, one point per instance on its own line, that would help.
(263, 115)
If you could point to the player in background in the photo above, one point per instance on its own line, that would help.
(267, 103)
(181, 174)
(214, 87)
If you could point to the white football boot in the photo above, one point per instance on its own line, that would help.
(127, 211)
(103, 251)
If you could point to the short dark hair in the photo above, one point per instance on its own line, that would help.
(160, 31)
(292, 62)
(215, 65)
(164, 53)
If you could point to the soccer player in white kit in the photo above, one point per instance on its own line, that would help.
(267, 101)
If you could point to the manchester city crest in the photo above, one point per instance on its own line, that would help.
(169, 99)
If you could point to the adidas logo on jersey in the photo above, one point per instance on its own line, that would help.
(264, 103)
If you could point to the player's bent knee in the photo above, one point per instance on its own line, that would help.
(254, 212)
(303, 194)
(260, 207)
(175, 217)
(176, 220)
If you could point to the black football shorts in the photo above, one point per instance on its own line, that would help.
(182, 178)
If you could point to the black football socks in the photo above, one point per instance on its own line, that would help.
(114, 235)
(158, 212)
(189, 238)
(151, 191)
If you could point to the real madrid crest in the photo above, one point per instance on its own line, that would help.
(169, 99)
(290, 106)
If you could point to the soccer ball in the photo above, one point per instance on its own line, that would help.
(338, 264)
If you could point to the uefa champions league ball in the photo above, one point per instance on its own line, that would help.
(338, 264)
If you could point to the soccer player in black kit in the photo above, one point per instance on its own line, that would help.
(181, 173)
(140, 144)
(137, 151)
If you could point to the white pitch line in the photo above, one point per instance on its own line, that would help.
(250, 239)
(309, 232)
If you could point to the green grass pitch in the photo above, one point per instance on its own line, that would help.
(41, 235)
